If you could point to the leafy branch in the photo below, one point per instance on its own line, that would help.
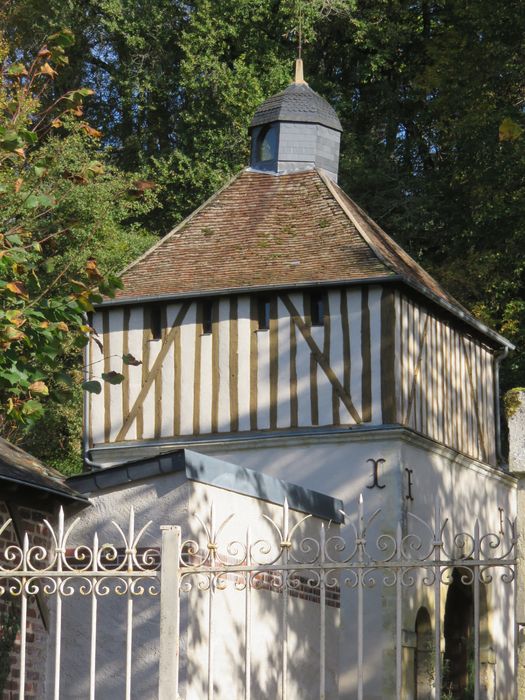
(45, 290)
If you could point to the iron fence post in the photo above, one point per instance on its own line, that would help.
(169, 613)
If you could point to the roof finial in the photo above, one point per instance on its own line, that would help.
(299, 77)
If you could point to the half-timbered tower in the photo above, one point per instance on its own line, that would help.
(280, 329)
(279, 305)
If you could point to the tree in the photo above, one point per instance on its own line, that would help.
(430, 94)
(59, 203)
(431, 98)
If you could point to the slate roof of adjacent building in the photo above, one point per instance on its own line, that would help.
(22, 469)
(264, 231)
(297, 103)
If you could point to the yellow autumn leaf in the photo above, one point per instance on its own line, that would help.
(39, 387)
(47, 70)
(90, 131)
(17, 288)
(12, 333)
(17, 319)
(92, 269)
(509, 130)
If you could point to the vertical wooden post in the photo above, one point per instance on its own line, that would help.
(169, 613)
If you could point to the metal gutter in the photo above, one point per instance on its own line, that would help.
(499, 357)
(463, 316)
(247, 290)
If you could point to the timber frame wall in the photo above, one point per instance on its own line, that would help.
(380, 357)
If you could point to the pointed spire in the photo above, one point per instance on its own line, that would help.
(299, 77)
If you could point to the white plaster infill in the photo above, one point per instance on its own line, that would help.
(127, 451)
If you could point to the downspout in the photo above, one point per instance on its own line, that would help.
(498, 357)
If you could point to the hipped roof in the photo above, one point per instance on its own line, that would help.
(264, 231)
(297, 103)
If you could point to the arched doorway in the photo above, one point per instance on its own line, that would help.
(458, 666)
(424, 656)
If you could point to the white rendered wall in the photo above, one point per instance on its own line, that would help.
(170, 499)
(465, 489)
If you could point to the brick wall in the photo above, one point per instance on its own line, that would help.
(36, 648)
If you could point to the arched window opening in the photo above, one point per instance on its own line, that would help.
(459, 619)
(266, 145)
(424, 656)
(458, 666)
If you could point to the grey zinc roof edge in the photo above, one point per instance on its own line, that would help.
(221, 291)
(228, 476)
(214, 472)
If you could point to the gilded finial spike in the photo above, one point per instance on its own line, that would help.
(299, 75)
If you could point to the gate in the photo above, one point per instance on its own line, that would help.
(316, 578)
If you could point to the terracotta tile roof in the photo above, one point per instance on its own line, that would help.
(266, 230)
(260, 230)
(389, 251)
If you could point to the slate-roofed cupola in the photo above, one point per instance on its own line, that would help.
(296, 130)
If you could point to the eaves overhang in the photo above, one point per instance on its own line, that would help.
(463, 316)
(59, 494)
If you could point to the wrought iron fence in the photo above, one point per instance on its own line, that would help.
(60, 571)
(316, 566)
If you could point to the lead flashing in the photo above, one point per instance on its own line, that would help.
(217, 473)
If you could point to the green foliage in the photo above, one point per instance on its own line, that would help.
(57, 438)
(60, 204)
(431, 100)
(512, 401)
